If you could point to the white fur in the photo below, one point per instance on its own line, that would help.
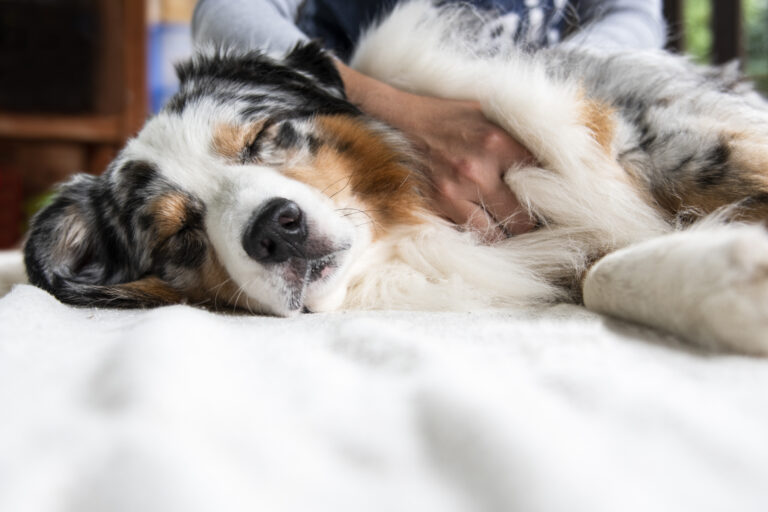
(11, 270)
(180, 146)
(435, 267)
(440, 268)
(708, 285)
(545, 114)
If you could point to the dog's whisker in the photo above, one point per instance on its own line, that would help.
(218, 288)
(240, 291)
(248, 303)
(349, 180)
(356, 211)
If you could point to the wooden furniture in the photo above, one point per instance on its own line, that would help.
(44, 147)
(120, 104)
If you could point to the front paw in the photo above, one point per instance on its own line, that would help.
(708, 285)
(734, 313)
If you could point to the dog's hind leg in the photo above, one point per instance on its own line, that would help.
(708, 285)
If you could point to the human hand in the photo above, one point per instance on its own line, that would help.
(467, 154)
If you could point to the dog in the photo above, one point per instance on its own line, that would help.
(259, 187)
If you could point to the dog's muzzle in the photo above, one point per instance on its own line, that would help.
(277, 232)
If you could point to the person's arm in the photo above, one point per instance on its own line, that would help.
(631, 24)
(247, 24)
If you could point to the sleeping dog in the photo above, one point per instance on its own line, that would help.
(259, 187)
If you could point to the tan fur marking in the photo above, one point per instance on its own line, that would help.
(357, 164)
(215, 286)
(150, 289)
(747, 178)
(214, 289)
(598, 117)
(169, 213)
(229, 140)
(329, 172)
(749, 154)
(749, 158)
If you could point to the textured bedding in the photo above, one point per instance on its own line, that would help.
(552, 409)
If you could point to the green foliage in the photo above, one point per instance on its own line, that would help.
(698, 35)
(756, 40)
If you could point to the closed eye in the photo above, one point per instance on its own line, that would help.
(253, 148)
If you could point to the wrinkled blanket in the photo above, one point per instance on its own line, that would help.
(552, 409)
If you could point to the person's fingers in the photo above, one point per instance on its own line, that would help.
(467, 178)
(503, 206)
(472, 216)
(477, 197)
(503, 147)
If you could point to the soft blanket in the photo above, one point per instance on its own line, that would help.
(553, 409)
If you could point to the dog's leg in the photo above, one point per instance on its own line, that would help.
(708, 285)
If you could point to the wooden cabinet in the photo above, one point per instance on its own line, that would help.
(39, 146)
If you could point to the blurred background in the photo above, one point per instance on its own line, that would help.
(78, 77)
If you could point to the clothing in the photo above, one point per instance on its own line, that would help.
(276, 25)
(338, 24)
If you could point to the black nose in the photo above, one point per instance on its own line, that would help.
(276, 232)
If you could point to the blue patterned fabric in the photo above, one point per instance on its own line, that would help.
(337, 23)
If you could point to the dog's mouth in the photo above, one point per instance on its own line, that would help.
(300, 274)
(322, 268)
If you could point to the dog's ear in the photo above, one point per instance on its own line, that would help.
(313, 59)
(77, 250)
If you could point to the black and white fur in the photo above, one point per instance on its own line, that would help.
(630, 148)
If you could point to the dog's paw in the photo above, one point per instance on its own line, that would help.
(707, 285)
(733, 311)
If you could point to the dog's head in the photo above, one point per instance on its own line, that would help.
(254, 188)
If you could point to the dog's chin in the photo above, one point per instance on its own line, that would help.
(308, 283)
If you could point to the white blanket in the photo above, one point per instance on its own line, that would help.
(558, 409)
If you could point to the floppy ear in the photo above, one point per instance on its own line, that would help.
(313, 59)
(78, 251)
